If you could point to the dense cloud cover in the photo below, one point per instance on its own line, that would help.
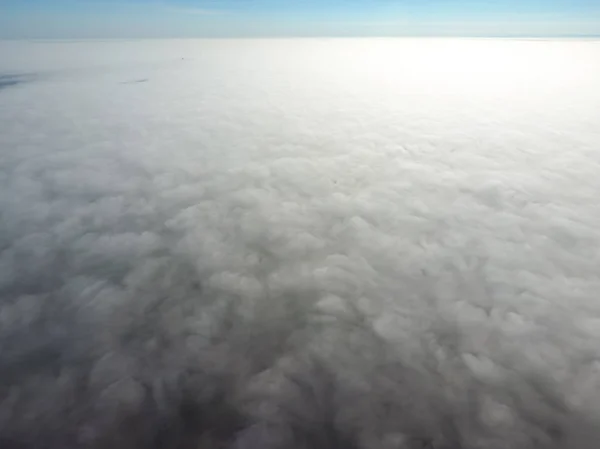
(300, 244)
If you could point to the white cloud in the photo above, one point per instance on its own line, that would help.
(164, 245)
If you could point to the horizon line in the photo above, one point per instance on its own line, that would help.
(291, 36)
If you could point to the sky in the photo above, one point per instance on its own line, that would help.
(68, 19)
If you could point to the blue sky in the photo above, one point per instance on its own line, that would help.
(221, 18)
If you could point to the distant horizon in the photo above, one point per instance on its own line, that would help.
(143, 19)
(253, 37)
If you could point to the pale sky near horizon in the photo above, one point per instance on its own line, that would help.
(236, 18)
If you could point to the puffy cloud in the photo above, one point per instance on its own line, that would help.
(299, 243)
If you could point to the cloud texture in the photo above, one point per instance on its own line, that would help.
(300, 244)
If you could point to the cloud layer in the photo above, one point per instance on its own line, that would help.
(299, 244)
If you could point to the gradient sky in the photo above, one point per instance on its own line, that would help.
(222, 18)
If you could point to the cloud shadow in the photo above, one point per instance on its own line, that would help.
(8, 80)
